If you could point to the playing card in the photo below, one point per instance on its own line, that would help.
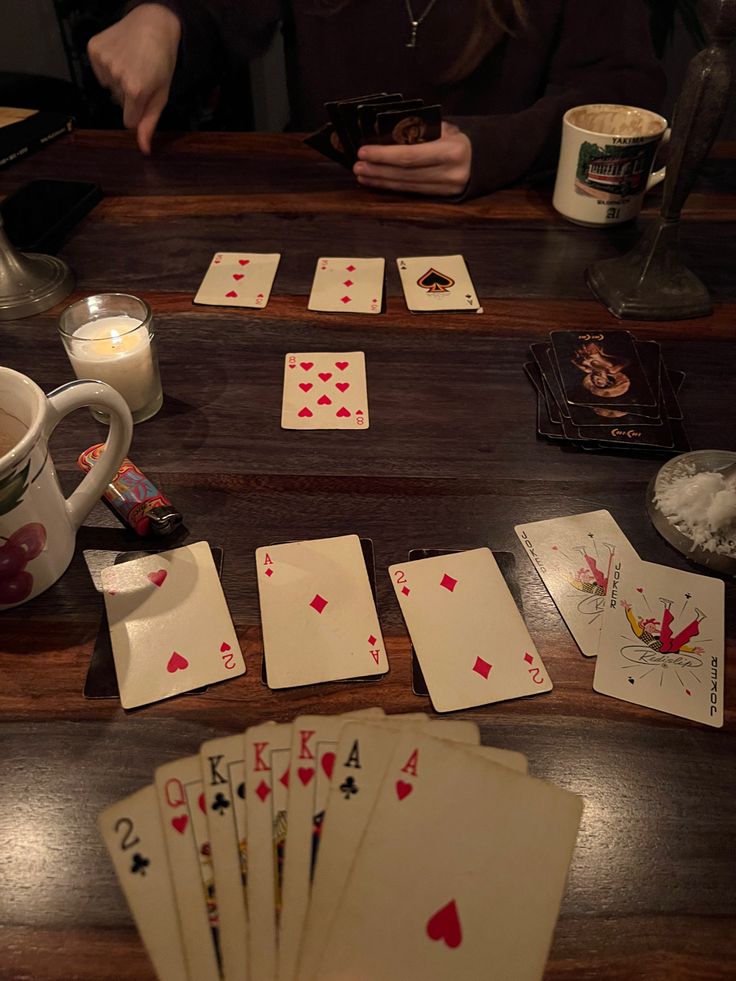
(344, 285)
(169, 625)
(132, 833)
(183, 816)
(325, 390)
(313, 745)
(238, 279)
(327, 142)
(341, 117)
(433, 283)
(470, 639)
(662, 643)
(267, 774)
(318, 617)
(601, 368)
(487, 850)
(367, 113)
(223, 774)
(409, 126)
(574, 557)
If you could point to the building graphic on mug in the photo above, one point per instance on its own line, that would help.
(613, 170)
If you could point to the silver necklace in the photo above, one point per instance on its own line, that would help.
(416, 21)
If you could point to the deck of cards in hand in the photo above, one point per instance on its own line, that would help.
(606, 390)
(358, 846)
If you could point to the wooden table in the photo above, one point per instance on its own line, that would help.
(451, 459)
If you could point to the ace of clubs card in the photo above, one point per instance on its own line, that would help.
(471, 642)
(318, 616)
(170, 627)
(238, 279)
(432, 283)
(662, 643)
(347, 285)
(325, 390)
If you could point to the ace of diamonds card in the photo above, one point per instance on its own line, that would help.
(325, 390)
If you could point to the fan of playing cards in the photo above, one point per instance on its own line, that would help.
(604, 390)
(359, 846)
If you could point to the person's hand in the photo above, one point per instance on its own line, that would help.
(440, 167)
(135, 59)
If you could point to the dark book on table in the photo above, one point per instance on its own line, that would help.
(24, 130)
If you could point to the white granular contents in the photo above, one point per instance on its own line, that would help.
(703, 507)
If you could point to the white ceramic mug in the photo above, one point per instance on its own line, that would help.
(606, 161)
(38, 525)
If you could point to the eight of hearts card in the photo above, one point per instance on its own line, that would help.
(318, 616)
(238, 279)
(470, 639)
(437, 282)
(662, 643)
(343, 285)
(170, 627)
(325, 390)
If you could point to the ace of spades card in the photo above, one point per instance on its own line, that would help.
(170, 627)
(318, 616)
(437, 283)
(325, 390)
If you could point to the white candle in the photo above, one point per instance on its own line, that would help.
(112, 350)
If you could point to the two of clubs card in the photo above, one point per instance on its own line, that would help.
(658, 633)
(281, 853)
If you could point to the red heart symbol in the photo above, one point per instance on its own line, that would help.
(342, 365)
(305, 413)
(325, 375)
(328, 764)
(202, 805)
(324, 400)
(176, 663)
(305, 386)
(640, 589)
(231, 293)
(307, 365)
(224, 647)
(305, 774)
(238, 275)
(403, 789)
(243, 262)
(342, 385)
(359, 412)
(157, 578)
(343, 413)
(180, 823)
(292, 365)
(445, 925)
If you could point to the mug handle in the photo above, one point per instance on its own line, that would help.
(657, 176)
(78, 395)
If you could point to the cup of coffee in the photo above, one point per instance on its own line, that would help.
(606, 162)
(38, 525)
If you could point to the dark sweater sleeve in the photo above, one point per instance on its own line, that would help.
(603, 54)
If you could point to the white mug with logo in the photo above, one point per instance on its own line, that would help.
(38, 525)
(606, 162)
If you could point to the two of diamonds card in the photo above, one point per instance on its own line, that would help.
(238, 279)
(318, 616)
(325, 390)
(170, 627)
(344, 285)
(434, 283)
(469, 637)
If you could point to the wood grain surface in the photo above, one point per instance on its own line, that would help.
(451, 460)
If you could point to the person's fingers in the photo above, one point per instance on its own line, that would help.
(423, 175)
(149, 120)
(441, 188)
(416, 155)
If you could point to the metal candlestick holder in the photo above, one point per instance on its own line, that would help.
(651, 282)
(30, 283)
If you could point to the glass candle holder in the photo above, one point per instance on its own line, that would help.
(109, 337)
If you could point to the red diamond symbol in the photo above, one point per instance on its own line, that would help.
(406, 590)
(371, 639)
(350, 268)
(348, 282)
(263, 790)
(448, 582)
(528, 658)
(345, 299)
(318, 603)
(284, 778)
(481, 667)
(269, 572)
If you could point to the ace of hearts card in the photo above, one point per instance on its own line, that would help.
(325, 390)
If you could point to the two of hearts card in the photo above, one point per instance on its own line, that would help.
(657, 632)
(293, 852)
(606, 390)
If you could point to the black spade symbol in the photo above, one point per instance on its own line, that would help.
(435, 282)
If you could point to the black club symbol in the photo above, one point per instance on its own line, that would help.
(241, 791)
(140, 864)
(220, 803)
(348, 788)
